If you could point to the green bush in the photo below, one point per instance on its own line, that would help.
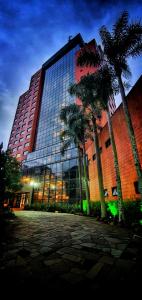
(52, 207)
(95, 209)
(132, 210)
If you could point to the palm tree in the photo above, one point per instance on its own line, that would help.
(103, 84)
(123, 42)
(75, 132)
(87, 96)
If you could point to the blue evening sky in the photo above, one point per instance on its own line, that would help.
(33, 30)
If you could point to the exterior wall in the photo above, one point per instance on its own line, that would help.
(25, 118)
(126, 163)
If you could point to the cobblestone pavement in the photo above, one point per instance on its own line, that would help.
(62, 251)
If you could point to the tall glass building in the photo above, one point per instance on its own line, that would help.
(56, 176)
(35, 136)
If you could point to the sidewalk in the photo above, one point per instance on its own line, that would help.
(65, 251)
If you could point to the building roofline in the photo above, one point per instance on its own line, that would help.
(70, 45)
(139, 81)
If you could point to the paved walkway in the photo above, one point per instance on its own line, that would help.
(60, 251)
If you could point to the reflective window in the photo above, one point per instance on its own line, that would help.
(57, 175)
(27, 144)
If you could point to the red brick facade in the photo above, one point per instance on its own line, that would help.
(23, 130)
(126, 163)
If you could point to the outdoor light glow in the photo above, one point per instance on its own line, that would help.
(33, 183)
(112, 207)
(85, 205)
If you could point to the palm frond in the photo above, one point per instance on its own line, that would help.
(65, 146)
(126, 72)
(67, 110)
(120, 27)
(135, 50)
(87, 57)
(132, 42)
(105, 37)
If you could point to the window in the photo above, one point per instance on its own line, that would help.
(31, 115)
(114, 191)
(22, 132)
(14, 149)
(20, 123)
(17, 135)
(28, 136)
(105, 192)
(25, 152)
(29, 129)
(16, 142)
(108, 143)
(27, 144)
(24, 120)
(94, 156)
(21, 140)
(136, 186)
(18, 155)
(19, 147)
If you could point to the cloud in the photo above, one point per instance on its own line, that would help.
(32, 31)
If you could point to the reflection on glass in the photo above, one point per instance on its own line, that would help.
(58, 174)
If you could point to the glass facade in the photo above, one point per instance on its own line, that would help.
(56, 175)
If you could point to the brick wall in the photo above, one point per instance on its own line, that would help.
(24, 126)
(126, 163)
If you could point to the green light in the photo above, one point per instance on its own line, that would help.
(112, 207)
(140, 222)
(85, 206)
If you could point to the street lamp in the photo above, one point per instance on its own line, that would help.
(34, 184)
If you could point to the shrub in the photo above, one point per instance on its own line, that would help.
(95, 209)
(132, 212)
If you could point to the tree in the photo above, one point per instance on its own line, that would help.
(103, 84)
(75, 132)
(10, 174)
(85, 93)
(123, 42)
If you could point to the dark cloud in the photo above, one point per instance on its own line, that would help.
(33, 30)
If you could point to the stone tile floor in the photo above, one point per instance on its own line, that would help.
(64, 251)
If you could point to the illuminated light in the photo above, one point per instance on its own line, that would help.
(33, 183)
(113, 208)
(52, 186)
(25, 179)
(85, 205)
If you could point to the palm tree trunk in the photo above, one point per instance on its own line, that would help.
(80, 178)
(86, 181)
(131, 135)
(116, 166)
(99, 169)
